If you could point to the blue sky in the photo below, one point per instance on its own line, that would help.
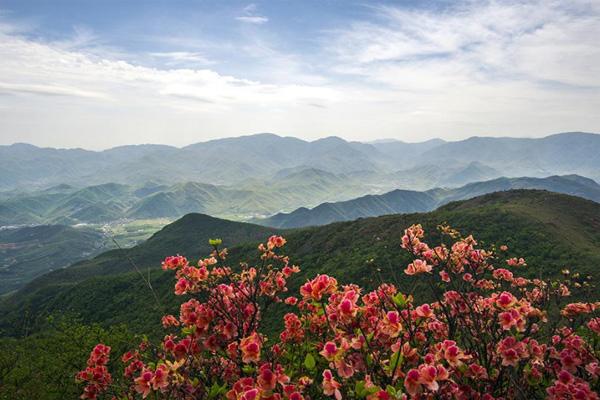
(96, 74)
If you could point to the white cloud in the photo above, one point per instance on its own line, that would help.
(49, 90)
(181, 57)
(253, 19)
(476, 68)
(474, 42)
(53, 88)
(40, 67)
(250, 16)
(479, 68)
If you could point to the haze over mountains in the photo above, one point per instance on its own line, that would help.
(233, 161)
(63, 211)
(65, 204)
(111, 202)
(130, 192)
(407, 201)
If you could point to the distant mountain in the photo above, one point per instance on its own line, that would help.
(550, 230)
(574, 185)
(405, 153)
(428, 176)
(223, 161)
(233, 161)
(394, 202)
(402, 201)
(70, 205)
(26, 253)
(564, 153)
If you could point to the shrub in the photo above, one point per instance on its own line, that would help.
(489, 334)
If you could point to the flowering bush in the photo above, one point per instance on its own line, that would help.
(488, 334)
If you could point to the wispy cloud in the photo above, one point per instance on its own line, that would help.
(519, 67)
(253, 19)
(250, 16)
(34, 64)
(50, 90)
(536, 41)
(181, 57)
(32, 70)
(471, 68)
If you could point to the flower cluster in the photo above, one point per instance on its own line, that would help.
(96, 376)
(486, 333)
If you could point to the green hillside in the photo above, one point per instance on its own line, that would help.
(188, 235)
(394, 202)
(26, 253)
(551, 231)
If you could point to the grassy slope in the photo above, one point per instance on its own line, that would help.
(552, 231)
(26, 253)
(102, 288)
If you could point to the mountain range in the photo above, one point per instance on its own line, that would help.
(291, 190)
(407, 201)
(66, 204)
(233, 161)
(83, 217)
(342, 206)
(550, 230)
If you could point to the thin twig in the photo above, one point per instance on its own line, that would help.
(146, 280)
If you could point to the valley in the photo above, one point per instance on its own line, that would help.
(27, 252)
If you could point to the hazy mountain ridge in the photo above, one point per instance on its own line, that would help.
(222, 161)
(550, 230)
(294, 190)
(233, 160)
(572, 152)
(402, 201)
(108, 202)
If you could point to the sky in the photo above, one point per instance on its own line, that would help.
(97, 74)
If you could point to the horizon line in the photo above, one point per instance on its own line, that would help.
(370, 142)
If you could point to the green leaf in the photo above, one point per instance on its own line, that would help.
(214, 242)
(396, 361)
(309, 362)
(399, 300)
(248, 369)
(188, 330)
(216, 390)
(359, 389)
(391, 390)
(372, 390)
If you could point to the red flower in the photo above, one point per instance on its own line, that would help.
(275, 241)
(143, 383)
(174, 262)
(330, 386)
(321, 285)
(417, 267)
(250, 347)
